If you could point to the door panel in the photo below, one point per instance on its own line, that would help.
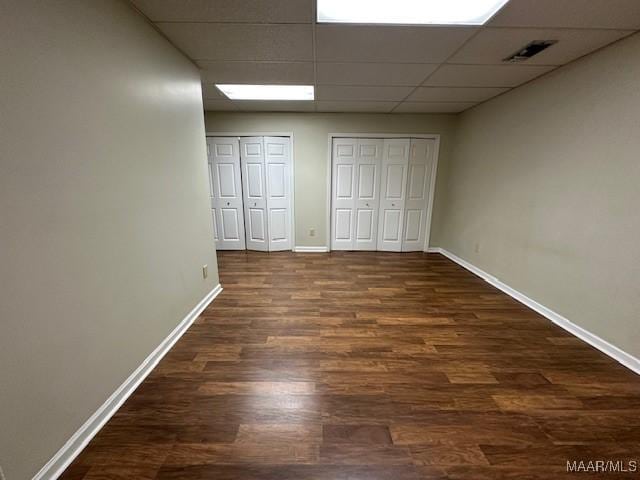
(413, 225)
(215, 224)
(252, 159)
(257, 222)
(230, 230)
(396, 173)
(367, 194)
(421, 161)
(226, 180)
(211, 202)
(395, 162)
(226, 192)
(277, 180)
(417, 177)
(342, 193)
(365, 223)
(255, 180)
(343, 225)
(344, 182)
(391, 225)
(278, 224)
(278, 188)
(366, 181)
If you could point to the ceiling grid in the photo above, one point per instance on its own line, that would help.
(380, 68)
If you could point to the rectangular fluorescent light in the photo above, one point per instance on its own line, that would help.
(409, 12)
(267, 92)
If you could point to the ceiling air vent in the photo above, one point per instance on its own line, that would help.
(529, 50)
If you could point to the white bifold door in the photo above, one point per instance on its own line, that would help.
(265, 169)
(416, 204)
(277, 155)
(380, 193)
(226, 192)
(255, 193)
(355, 192)
(393, 190)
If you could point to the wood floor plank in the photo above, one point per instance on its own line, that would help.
(355, 365)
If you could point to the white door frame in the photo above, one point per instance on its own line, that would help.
(434, 173)
(293, 176)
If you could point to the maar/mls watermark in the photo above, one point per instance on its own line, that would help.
(602, 466)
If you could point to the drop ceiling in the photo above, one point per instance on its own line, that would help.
(367, 68)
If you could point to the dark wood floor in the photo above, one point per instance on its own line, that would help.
(368, 366)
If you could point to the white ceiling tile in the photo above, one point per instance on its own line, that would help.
(450, 94)
(257, 11)
(396, 44)
(433, 107)
(293, 73)
(346, 92)
(621, 14)
(409, 74)
(274, 106)
(492, 45)
(219, 105)
(209, 41)
(484, 75)
(347, 106)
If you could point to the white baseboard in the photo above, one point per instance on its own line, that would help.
(626, 359)
(70, 450)
(322, 249)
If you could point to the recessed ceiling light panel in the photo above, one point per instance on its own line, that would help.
(409, 12)
(267, 92)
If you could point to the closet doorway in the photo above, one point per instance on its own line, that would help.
(381, 191)
(251, 192)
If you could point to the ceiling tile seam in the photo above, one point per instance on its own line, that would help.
(261, 24)
(271, 62)
(513, 66)
(315, 54)
(345, 25)
(502, 64)
(320, 62)
(390, 101)
(440, 65)
(452, 87)
(420, 85)
(251, 61)
(605, 29)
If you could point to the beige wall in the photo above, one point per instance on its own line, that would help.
(311, 132)
(104, 212)
(545, 181)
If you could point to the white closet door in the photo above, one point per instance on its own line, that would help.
(227, 193)
(421, 160)
(343, 186)
(278, 183)
(367, 193)
(254, 192)
(211, 180)
(393, 183)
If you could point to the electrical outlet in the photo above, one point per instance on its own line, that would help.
(312, 232)
(205, 271)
